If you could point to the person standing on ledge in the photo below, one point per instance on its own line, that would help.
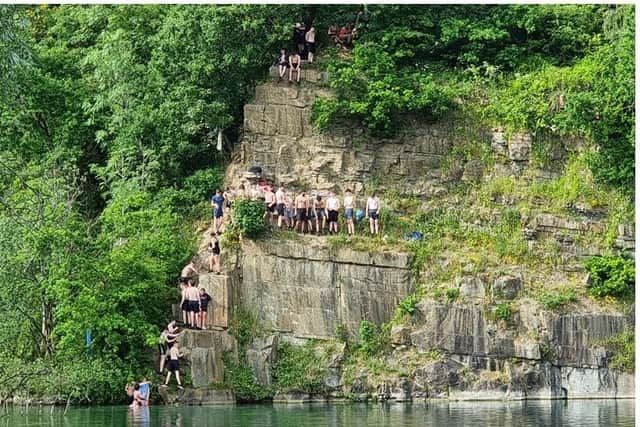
(280, 207)
(217, 205)
(214, 260)
(372, 211)
(349, 206)
(205, 298)
(270, 205)
(193, 298)
(333, 204)
(310, 39)
(301, 205)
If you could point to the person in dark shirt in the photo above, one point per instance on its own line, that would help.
(205, 298)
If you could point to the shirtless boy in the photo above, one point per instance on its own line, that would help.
(280, 207)
(349, 206)
(333, 204)
(193, 298)
(301, 204)
(174, 365)
(270, 205)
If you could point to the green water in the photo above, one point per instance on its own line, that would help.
(472, 414)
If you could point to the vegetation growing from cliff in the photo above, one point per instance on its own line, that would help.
(564, 70)
(623, 348)
(248, 218)
(301, 368)
(611, 276)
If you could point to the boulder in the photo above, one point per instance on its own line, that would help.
(471, 288)
(506, 287)
(519, 147)
(400, 335)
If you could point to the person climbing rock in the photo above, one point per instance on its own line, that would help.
(174, 366)
(217, 213)
(214, 259)
(189, 271)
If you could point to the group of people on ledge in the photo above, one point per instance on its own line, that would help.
(302, 211)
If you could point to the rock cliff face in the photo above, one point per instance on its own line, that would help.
(305, 288)
(309, 290)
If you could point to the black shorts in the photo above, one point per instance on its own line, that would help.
(215, 251)
(280, 209)
(204, 307)
(173, 365)
(311, 47)
(162, 349)
(184, 279)
(302, 214)
(194, 306)
(333, 216)
(185, 306)
(271, 209)
(373, 213)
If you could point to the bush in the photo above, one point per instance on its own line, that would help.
(553, 300)
(239, 377)
(248, 217)
(244, 326)
(299, 368)
(452, 294)
(373, 339)
(611, 276)
(623, 347)
(503, 311)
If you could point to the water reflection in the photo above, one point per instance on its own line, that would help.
(471, 414)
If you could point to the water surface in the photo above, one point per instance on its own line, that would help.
(472, 414)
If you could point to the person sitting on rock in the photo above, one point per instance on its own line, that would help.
(205, 298)
(214, 259)
(283, 64)
(174, 366)
(295, 63)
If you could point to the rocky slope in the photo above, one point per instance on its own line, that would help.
(458, 349)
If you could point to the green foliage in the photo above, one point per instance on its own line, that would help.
(247, 216)
(299, 368)
(408, 305)
(622, 346)
(503, 311)
(372, 339)
(244, 326)
(611, 276)
(556, 299)
(240, 378)
(451, 294)
(372, 90)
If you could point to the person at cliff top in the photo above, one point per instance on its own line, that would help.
(311, 214)
(333, 204)
(217, 205)
(189, 271)
(298, 37)
(294, 67)
(290, 210)
(214, 248)
(174, 366)
(349, 206)
(184, 304)
(310, 39)
(205, 298)
(301, 204)
(372, 212)
(283, 64)
(280, 207)
(193, 299)
(227, 195)
(270, 205)
(321, 214)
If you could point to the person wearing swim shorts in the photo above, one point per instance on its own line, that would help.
(321, 213)
(205, 298)
(193, 298)
(270, 205)
(290, 211)
(333, 204)
(349, 206)
(301, 204)
(174, 365)
(217, 205)
(214, 248)
(280, 207)
(372, 211)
